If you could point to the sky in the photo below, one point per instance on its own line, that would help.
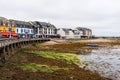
(102, 16)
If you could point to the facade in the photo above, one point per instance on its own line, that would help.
(77, 33)
(24, 29)
(68, 33)
(7, 28)
(44, 30)
(64, 33)
(85, 32)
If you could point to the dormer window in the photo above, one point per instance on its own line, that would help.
(4, 30)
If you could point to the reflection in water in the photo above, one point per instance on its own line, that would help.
(106, 61)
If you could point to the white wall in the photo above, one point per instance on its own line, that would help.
(71, 34)
(26, 30)
(61, 32)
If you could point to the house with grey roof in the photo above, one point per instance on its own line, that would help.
(3, 18)
(44, 30)
(84, 32)
(3, 21)
(68, 33)
(63, 32)
(77, 33)
(24, 29)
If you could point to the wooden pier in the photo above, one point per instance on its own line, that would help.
(8, 46)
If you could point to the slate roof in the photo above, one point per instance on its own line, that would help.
(83, 28)
(75, 31)
(17, 22)
(66, 30)
(43, 24)
(35, 24)
(3, 18)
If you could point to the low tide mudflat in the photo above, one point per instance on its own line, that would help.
(54, 60)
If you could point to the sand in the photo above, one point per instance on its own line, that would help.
(59, 41)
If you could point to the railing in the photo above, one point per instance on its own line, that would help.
(11, 41)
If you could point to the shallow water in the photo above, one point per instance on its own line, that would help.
(105, 61)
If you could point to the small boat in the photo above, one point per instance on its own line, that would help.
(93, 44)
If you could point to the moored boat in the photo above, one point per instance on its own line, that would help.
(93, 44)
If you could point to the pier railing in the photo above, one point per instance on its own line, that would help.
(11, 41)
(7, 46)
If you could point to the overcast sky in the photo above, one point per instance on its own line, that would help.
(102, 16)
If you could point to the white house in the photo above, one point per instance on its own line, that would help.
(84, 32)
(68, 33)
(61, 32)
(76, 34)
(43, 29)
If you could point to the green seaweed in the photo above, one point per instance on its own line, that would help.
(41, 68)
(67, 57)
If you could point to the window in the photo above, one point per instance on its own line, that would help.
(13, 25)
(28, 31)
(22, 26)
(17, 30)
(12, 30)
(21, 30)
(67, 33)
(84, 32)
(6, 24)
(4, 30)
(9, 29)
(10, 24)
(1, 23)
(17, 25)
(31, 31)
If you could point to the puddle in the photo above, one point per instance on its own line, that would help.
(105, 61)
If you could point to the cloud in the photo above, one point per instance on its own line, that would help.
(102, 16)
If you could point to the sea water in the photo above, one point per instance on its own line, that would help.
(105, 61)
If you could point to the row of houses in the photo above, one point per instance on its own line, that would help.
(43, 29)
(23, 29)
(77, 33)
